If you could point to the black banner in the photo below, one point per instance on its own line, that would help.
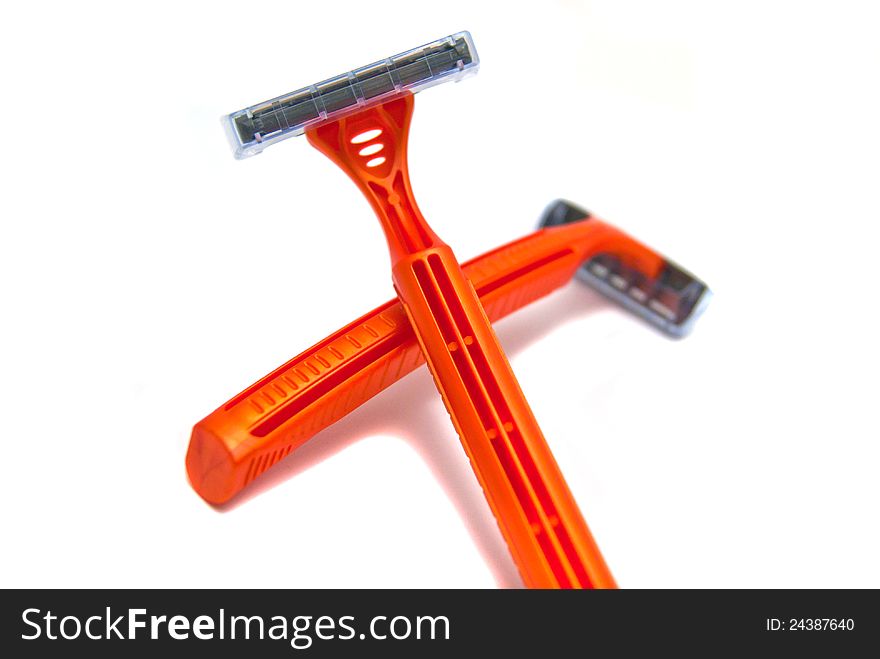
(290, 623)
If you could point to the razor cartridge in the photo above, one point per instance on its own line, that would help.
(253, 129)
(671, 302)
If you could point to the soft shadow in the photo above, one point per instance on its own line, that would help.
(407, 410)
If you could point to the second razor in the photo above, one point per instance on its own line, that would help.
(270, 419)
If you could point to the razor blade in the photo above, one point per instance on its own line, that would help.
(672, 301)
(253, 129)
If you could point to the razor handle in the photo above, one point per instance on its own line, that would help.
(535, 510)
(537, 514)
(263, 424)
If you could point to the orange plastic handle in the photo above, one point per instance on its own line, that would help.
(267, 421)
(537, 514)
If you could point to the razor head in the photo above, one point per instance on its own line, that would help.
(672, 301)
(253, 129)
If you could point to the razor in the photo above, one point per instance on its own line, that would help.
(270, 419)
(360, 120)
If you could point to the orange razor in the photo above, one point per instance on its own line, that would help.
(260, 426)
(360, 120)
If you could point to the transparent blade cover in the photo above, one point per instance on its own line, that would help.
(253, 129)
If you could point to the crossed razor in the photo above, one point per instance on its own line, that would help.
(442, 317)
(266, 422)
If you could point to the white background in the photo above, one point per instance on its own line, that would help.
(147, 277)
